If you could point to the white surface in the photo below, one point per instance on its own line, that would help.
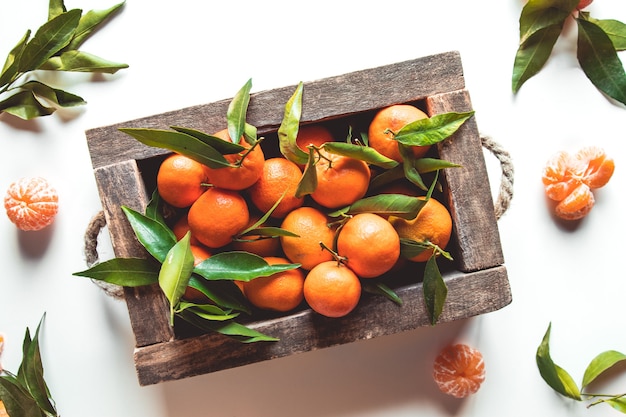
(188, 52)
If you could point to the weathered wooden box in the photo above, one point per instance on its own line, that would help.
(477, 283)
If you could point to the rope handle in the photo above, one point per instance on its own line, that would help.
(501, 205)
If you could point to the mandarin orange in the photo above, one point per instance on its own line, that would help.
(341, 180)
(387, 123)
(370, 243)
(217, 216)
(31, 203)
(311, 227)
(332, 289)
(280, 178)
(282, 291)
(246, 170)
(459, 370)
(433, 225)
(181, 180)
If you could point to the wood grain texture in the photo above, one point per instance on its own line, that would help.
(476, 235)
(322, 99)
(468, 295)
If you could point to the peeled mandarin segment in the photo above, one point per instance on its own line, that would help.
(576, 205)
(598, 167)
(561, 176)
(31, 203)
(459, 370)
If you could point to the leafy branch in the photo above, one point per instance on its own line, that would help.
(26, 393)
(53, 47)
(599, 41)
(561, 381)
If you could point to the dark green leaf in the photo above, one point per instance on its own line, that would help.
(51, 37)
(615, 30)
(126, 272)
(363, 153)
(532, 55)
(555, 376)
(154, 209)
(89, 22)
(432, 130)
(9, 70)
(308, 182)
(601, 363)
(411, 172)
(398, 205)
(207, 311)
(236, 112)
(224, 147)
(54, 95)
(176, 271)
(55, 8)
(598, 59)
(410, 248)
(378, 288)
(424, 165)
(181, 143)
(435, 290)
(238, 265)
(17, 401)
(288, 130)
(539, 14)
(33, 372)
(223, 293)
(156, 238)
(25, 105)
(231, 328)
(79, 61)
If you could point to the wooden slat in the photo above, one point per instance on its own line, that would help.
(322, 99)
(477, 239)
(122, 185)
(468, 295)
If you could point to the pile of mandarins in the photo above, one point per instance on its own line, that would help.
(335, 256)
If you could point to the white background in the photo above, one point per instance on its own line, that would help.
(189, 52)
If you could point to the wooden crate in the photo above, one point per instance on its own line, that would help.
(477, 284)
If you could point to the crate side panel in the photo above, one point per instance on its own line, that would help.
(322, 99)
(468, 295)
(469, 196)
(121, 184)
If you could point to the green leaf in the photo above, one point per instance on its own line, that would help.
(50, 38)
(54, 95)
(555, 376)
(598, 59)
(398, 205)
(55, 8)
(618, 404)
(288, 130)
(540, 14)
(363, 153)
(17, 401)
(409, 168)
(238, 265)
(25, 105)
(180, 143)
(223, 293)
(224, 147)
(532, 55)
(432, 130)
(410, 248)
(230, 328)
(308, 182)
(126, 272)
(425, 165)
(435, 290)
(176, 271)
(207, 311)
(154, 236)
(236, 112)
(79, 61)
(615, 30)
(33, 372)
(9, 70)
(379, 288)
(89, 22)
(601, 363)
